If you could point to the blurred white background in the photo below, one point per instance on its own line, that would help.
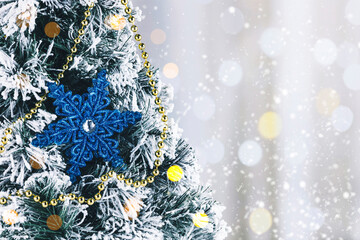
(267, 92)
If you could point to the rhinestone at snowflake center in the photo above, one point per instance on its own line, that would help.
(89, 126)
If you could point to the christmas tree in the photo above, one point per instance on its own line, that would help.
(87, 148)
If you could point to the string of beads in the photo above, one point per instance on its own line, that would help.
(110, 174)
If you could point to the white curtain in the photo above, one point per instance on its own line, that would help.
(267, 92)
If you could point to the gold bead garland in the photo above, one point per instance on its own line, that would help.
(111, 174)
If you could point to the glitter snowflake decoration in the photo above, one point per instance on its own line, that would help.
(86, 125)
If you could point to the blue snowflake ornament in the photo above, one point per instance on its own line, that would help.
(87, 126)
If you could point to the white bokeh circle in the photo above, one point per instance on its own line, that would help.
(325, 51)
(272, 42)
(211, 151)
(342, 118)
(250, 153)
(230, 73)
(232, 21)
(352, 10)
(351, 77)
(204, 107)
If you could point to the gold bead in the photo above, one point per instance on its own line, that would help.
(87, 13)
(128, 10)
(163, 135)
(62, 198)
(111, 174)
(101, 187)
(81, 200)
(138, 37)
(128, 181)
(60, 75)
(33, 110)
(158, 153)
(8, 131)
(145, 55)
(155, 92)
(121, 176)
(158, 162)
(43, 98)
(21, 119)
(28, 116)
(72, 196)
(147, 64)
(134, 28)
(73, 49)
(131, 19)
(37, 198)
(164, 118)
(158, 101)
(81, 32)
(137, 184)
(142, 46)
(2, 149)
(28, 193)
(124, 2)
(144, 183)
(84, 22)
(38, 105)
(45, 204)
(149, 74)
(161, 110)
(90, 201)
(150, 179)
(161, 144)
(53, 202)
(66, 67)
(3, 201)
(156, 172)
(92, 4)
(152, 83)
(4, 140)
(98, 196)
(104, 178)
(69, 58)
(18, 193)
(77, 40)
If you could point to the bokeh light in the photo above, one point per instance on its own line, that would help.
(158, 36)
(10, 216)
(211, 151)
(171, 70)
(269, 125)
(351, 77)
(204, 107)
(352, 10)
(250, 153)
(342, 118)
(232, 20)
(348, 54)
(272, 42)
(260, 220)
(325, 51)
(327, 101)
(230, 73)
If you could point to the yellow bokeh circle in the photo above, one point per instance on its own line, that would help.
(158, 36)
(171, 70)
(200, 220)
(269, 125)
(327, 101)
(10, 216)
(115, 22)
(260, 221)
(175, 173)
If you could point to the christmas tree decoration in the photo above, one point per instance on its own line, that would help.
(27, 16)
(132, 208)
(84, 151)
(10, 216)
(115, 22)
(87, 125)
(52, 29)
(54, 222)
(200, 220)
(175, 173)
